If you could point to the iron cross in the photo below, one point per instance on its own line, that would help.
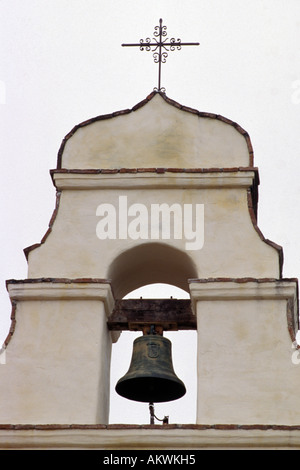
(160, 47)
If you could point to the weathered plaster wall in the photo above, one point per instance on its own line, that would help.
(57, 360)
(229, 233)
(245, 370)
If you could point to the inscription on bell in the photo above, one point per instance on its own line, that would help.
(153, 350)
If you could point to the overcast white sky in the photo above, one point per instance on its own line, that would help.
(61, 62)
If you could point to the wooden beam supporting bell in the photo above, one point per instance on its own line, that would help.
(134, 314)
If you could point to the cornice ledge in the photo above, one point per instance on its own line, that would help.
(162, 178)
(225, 289)
(62, 289)
(243, 288)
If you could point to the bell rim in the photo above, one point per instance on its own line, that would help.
(144, 398)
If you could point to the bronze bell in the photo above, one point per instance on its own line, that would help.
(151, 377)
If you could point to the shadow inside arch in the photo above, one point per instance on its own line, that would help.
(150, 263)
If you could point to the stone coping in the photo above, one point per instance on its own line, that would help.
(164, 427)
(172, 436)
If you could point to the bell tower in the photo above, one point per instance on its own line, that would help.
(157, 193)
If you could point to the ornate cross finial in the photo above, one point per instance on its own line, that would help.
(161, 47)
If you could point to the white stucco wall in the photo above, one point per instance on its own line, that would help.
(57, 361)
(228, 230)
(58, 358)
(246, 371)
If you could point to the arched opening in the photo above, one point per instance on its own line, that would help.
(151, 263)
(184, 354)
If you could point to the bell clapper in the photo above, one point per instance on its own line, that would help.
(165, 420)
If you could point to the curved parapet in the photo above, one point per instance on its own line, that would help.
(158, 132)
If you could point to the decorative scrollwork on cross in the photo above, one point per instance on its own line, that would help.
(161, 47)
(145, 44)
(175, 43)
